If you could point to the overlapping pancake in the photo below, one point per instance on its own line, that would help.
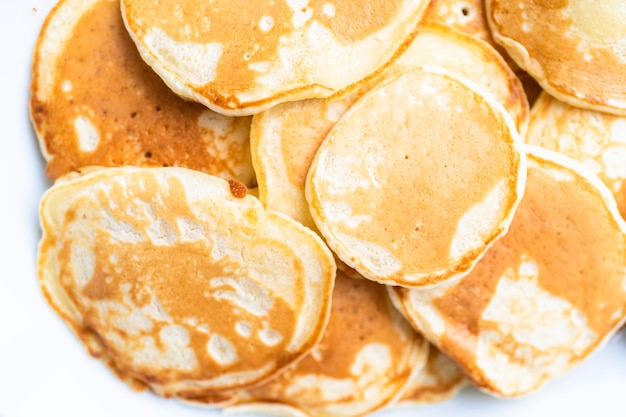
(365, 360)
(241, 57)
(417, 179)
(284, 139)
(576, 50)
(545, 296)
(95, 102)
(440, 380)
(597, 140)
(183, 281)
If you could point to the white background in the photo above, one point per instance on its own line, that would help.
(44, 371)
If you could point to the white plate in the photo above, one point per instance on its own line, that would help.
(45, 371)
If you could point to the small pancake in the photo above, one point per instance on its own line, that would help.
(417, 179)
(367, 356)
(239, 58)
(440, 380)
(574, 49)
(597, 140)
(183, 281)
(545, 296)
(284, 139)
(95, 102)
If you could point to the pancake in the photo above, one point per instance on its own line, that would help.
(239, 58)
(417, 179)
(284, 139)
(95, 102)
(188, 285)
(367, 356)
(574, 49)
(440, 380)
(545, 296)
(597, 140)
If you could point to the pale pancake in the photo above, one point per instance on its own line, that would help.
(440, 380)
(544, 296)
(576, 50)
(596, 139)
(365, 360)
(239, 57)
(284, 139)
(182, 280)
(95, 102)
(417, 179)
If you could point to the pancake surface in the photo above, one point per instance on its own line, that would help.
(239, 58)
(597, 140)
(186, 283)
(95, 102)
(367, 356)
(576, 50)
(545, 296)
(417, 179)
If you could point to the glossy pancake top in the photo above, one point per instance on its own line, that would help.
(597, 140)
(545, 296)
(95, 102)
(575, 49)
(189, 285)
(367, 356)
(240, 57)
(417, 179)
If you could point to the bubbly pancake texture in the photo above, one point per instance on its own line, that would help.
(417, 179)
(95, 102)
(575, 49)
(596, 139)
(241, 57)
(367, 356)
(545, 296)
(189, 285)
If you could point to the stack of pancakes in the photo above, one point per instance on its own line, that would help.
(326, 208)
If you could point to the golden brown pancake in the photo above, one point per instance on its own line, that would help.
(182, 281)
(576, 50)
(95, 102)
(284, 139)
(597, 140)
(239, 57)
(365, 360)
(545, 296)
(417, 179)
